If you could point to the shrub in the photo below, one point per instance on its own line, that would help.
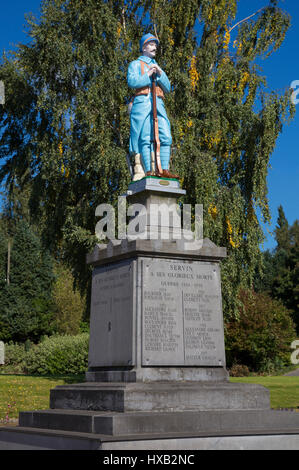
(59, 355)
(261, 337)
(239, 370)
(15, 357)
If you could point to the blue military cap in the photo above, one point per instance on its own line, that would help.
(146, 38)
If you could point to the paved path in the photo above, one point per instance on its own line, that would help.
(293, 373)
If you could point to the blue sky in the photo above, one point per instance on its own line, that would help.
(280, 69)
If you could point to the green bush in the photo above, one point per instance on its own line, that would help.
(261, 337)
(15, 357)
(59, 355)
(239, 370)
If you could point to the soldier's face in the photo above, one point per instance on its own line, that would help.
(150, 49)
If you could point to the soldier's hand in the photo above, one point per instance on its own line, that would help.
(154, 68)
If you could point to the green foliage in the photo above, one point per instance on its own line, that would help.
(280, 275)
(84, 327)
(15, 357)
(26, 305)
(262, 335)
(59, 355)
(67, 128)
(282, 234)
(54, 355)
(70, 306)
(285, 284)
(239, 370)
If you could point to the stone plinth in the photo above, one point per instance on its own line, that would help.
(156, 313)
(161, 217)
(160, 396)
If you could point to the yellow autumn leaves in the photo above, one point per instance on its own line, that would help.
(226, 40)
(234, 85)
(229, 230)
(170, 37)
(220, 10)
(193, 73)
(213, 211)
(212, 140)
(231, 233)
(63, 169)
(119, 28)
(183, 129)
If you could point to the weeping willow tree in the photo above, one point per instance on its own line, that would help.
(65, 127)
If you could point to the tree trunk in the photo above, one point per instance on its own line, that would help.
(8, 261)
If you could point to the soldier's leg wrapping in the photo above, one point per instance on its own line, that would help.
(165, 142)
(145, 144)
(165, 156)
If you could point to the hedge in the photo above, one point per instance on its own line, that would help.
(59, 355)
(55, 355)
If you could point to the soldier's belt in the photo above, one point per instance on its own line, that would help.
(146, 90)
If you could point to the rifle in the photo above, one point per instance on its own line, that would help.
(156, 128)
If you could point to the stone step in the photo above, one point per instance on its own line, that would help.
(24, 438)
(64, 420)
(188, 422)
(159, 397)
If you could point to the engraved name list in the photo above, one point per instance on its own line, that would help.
(181, 314)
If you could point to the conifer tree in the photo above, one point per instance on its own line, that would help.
(285, 282)
(282, 235)
(67, 128)
(26, 306)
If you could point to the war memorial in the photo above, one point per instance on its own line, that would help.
(157, 375)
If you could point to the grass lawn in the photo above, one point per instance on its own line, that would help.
(25, 393)
(284, 391)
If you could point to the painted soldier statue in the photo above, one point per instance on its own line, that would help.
(141, 75)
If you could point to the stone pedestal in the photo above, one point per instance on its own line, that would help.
(156, 314)
(156, 377)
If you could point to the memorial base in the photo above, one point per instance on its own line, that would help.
(156, 377)
(156, 313)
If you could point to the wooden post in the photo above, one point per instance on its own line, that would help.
(156, 128)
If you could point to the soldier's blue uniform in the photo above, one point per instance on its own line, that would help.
(141, 116)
